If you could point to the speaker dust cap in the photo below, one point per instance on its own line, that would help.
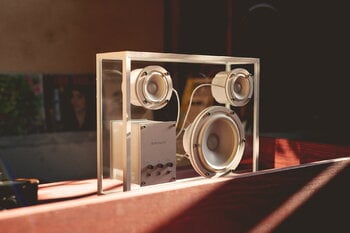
(215, 141)
(234, 87)
(151, 87)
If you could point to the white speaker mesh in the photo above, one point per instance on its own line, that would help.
(215, 141)
(234, 87)
(151, 87)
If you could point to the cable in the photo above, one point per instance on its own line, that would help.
(189, 107)
(178, 107)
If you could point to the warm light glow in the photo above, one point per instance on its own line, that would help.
(286, 153)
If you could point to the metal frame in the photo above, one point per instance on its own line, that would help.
(126, 57)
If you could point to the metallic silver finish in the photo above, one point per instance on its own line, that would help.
(153, 151)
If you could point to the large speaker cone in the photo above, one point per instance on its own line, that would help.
(214, 141)
(234, 87)
(151, 87)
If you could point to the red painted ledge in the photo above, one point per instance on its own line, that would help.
(291, 194)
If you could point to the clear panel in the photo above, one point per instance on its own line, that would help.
(145, 103)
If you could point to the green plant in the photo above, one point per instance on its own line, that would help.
(20, 104)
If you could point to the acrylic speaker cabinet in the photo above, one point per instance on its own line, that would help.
(153, 151)
(144, 151)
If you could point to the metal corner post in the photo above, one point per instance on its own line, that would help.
(99, 124)
(126, 124)
(256, 116)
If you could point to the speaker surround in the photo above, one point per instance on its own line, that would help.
(233, 87)
(214, 141)
(151, 87)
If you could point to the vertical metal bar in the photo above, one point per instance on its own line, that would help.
(111, 155)
(126, 124)
(99, 124)
(256, 116)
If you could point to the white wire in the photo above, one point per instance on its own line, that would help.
(189, 107)
(178, 107)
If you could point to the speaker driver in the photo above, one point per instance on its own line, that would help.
(151, 87)
(234, 87)
(214, 141)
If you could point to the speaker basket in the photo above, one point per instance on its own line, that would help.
(215, 141)
(234, 87)
(151, 87)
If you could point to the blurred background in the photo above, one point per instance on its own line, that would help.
(48, 48)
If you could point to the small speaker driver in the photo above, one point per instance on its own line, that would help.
(151, 87)
(234, 87)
